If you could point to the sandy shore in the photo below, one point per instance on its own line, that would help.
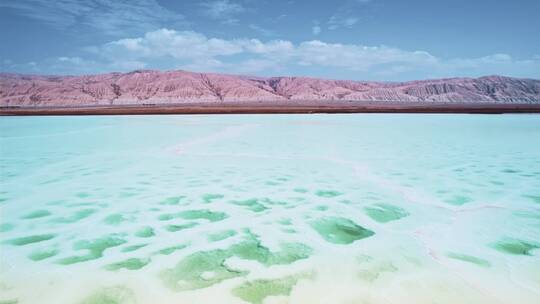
(274, 107)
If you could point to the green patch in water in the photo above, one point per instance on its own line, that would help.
(36, 214)
(82, 195)
(527, 214)
(510, 171)
(95, 249)
(10, 301)
(126, 194)
(252, 204)
(384, 213)
(469, 259)
(269, 202)
(42, 254)
(300, 190)
(210, 197)
(129, 264)
(515, 246)
(133, 247)
(145, 232)
(212, 216)
(256, 291)
(373, 272)
(173, 200)
(340, 230)
(321, 208)
(199, 270)
(5, 227)
(166, 216)
(221, 235)
(75, 217)
(25, 240)
(114, 219)
(175, 228)
(251, 249)
(169, 250)
(206, 268)
(458, 200)
(86, 204)
(285, 222)
(111, 295)
(328, 193)
(534, 198)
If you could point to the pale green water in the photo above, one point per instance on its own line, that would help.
(270, 209)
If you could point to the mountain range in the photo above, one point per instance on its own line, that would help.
(176, 87)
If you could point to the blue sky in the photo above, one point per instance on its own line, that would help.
(349, 39)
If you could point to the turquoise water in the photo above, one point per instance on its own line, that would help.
(270, 209)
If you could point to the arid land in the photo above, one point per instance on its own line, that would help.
(183, 92)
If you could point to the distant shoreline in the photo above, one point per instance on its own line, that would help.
(184, 92)
(273, 108)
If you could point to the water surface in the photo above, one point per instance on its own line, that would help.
(270, 209)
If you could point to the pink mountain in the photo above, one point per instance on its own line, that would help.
(173, 87)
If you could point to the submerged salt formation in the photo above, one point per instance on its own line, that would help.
(270, 209)
(339, 230)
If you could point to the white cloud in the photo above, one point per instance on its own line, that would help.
(169, 43)
(188, 45)
(170, 49)
(336, 22)
(224, 10)
(357, 57)
(115, 18)
(348, 14)
(273, 48)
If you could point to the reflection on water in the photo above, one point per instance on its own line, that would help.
(270, 209)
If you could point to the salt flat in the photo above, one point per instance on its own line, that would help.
(357, 208)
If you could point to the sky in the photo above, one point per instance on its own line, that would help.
(392, 40)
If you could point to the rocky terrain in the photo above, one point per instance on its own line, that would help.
(147, 87)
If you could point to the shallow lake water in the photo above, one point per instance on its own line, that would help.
(370, 208)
